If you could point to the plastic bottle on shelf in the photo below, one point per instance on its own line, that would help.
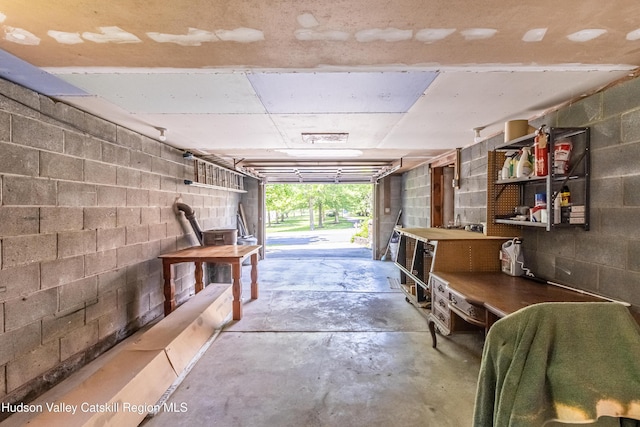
(505, 172)
(557, 212)
(525, 168)
(565, 194)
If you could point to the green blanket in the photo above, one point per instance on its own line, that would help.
(569, 362)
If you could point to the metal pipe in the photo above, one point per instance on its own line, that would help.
(191, 217)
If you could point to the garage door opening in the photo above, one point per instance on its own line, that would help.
(318, 220)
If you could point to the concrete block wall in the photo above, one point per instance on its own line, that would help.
(603, 259)
(416, 197)
(85, 209)
(470, 200)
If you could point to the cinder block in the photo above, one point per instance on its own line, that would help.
(141, 161)
(111, 196)
(22, 250)
(174, 229)
(170, 153)
(16, 221)
(149, 181)
(621, 98)
(106, 303)
(61, 271)
(99, 173)
(112, 322)
(27, 309)
(128, 177)
(137, 234)
(128, 294)
(54, 219)
(167, 214)
(137, 197)
(18, 160)
(76, 243)
(128, 138)
(164, 199)
(631, 190)
(111, 238)
(630, 123)
(96, 218)
(170, 184)
(100, 128)
(137, 272)
(78, 340)
(23, 191)
(128, 216)
(60, 166)
(76, 294)
(32, 364)
(100, 262)
(633, 255)
(582, 112)
(19, 281)
(620, 222)
(62, 112)
(169, 244)
(138, 307)
(152, 251)
(34, 133)
(152, 282)
(27, 100)
(84, 146)
(116, 154)
(157, 231)
(76, 194)
(163, 167)
(5, 126)
(150, 215)
(111, 281)
(151, 146)
(17, 342)
(128, 255)
(54, 327)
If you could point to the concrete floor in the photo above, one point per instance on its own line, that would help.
(328, 343)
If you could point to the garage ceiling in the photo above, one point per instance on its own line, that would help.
(318, 91)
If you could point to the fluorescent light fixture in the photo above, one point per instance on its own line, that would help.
(325, 138)
(321, 153)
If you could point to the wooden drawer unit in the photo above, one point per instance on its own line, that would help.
(451, 312)
(442, 318)
(440, 312)
(469, 312)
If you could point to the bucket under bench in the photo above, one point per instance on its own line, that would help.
(453, 277)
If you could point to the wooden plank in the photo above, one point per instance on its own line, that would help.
(243, 217)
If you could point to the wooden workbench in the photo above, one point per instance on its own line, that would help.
(223, 254)
(481, 298)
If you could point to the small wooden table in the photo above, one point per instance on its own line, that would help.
(223, 254)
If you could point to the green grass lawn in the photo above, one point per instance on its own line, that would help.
(301, 223)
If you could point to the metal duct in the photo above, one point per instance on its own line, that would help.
(191, 217)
